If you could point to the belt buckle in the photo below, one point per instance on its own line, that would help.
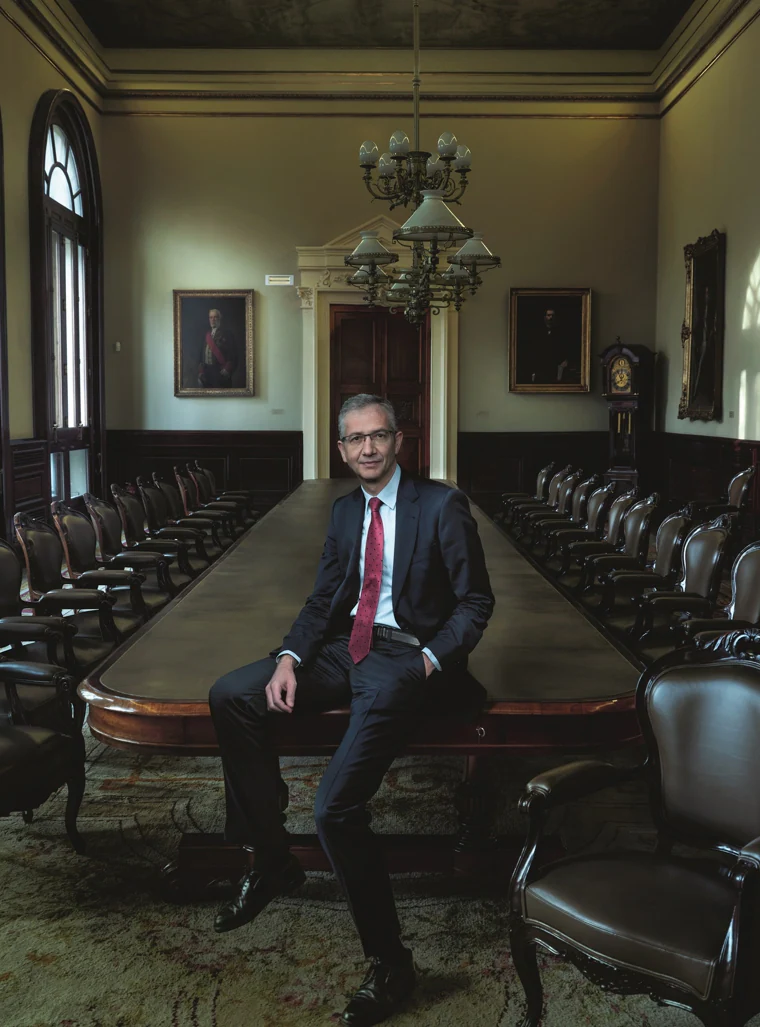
(383, 632)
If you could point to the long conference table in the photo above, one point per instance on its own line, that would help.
(546, 679)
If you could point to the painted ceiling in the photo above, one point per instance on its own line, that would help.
(509, 24)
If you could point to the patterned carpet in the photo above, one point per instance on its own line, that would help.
(90, 942)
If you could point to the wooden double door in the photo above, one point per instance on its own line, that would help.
(373, 350)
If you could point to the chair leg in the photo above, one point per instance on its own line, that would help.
(75, 784)
(526, 965)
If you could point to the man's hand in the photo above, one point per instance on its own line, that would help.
(429, 665)
(281, 690)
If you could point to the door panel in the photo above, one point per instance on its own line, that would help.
(379, 352)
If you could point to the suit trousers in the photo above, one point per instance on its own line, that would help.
(387, 692)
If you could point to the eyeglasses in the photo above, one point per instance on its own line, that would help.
(381, 437)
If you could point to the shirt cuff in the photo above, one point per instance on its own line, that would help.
(432, 658)
(288, 652)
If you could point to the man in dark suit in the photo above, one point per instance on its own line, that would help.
(402, 596)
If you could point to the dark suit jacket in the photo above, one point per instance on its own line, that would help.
(441, 591)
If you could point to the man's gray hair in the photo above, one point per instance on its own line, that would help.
(365, 399)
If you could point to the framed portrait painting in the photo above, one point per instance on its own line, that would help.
(549, 340)
(213, 342)
(702, 330)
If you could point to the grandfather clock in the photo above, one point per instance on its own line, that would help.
(628, 387)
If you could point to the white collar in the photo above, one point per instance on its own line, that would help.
(389, 494)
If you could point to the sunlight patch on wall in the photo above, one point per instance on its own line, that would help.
(751, 315)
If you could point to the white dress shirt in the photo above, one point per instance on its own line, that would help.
(384, 613)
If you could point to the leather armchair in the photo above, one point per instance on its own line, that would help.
(572, 549)
(743, 609)
(624, 574)
(36, 761)
(679, 928)
(508, 499)
(136, 600)
(696, 591)
(521, 506)
(544, 529)
(174, 546)
(223, 516)
(559, 536)
(634, 543)
(531, 519)
(205, 493)
(174, 513)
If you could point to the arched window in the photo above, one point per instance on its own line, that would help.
(66, 246)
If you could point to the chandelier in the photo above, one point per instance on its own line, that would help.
(413, 176)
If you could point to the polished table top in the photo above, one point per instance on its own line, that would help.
(537, 648)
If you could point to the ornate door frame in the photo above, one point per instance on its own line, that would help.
(322, 281)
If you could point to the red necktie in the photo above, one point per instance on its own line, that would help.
(360, 641)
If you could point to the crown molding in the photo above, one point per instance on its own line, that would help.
(268, 83)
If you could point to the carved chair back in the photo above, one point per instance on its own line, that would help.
(202, 484)
(107, 524)
(132, 514)
(738, 487)
(542, 481)
(745, 586)
(209, 476)
(669, 542)
(10, 581)
(636, 527)
(77, 537)
(154, 504)
(616, 517)
(171, 496)
(702, 558)
(581, 495)
(598, 505)
(186, 491)
(699, 720)
(42, 552)
(555, 483)
(567, 490)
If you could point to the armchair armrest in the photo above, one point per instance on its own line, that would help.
(609, 563)
(591, 548)
(678, 601)
(198, 524)
(711, 625)
(131, 558)
(107, 577)
(29, 673)
(164, 546)
(508, 496)
(574, 781)
(34, 629)
(636, 579)
(179, 533)
(565, 536)
(218, 504)
(76, 599)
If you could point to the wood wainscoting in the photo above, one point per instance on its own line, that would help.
(489, 463)
(271, 462)
(679, 467)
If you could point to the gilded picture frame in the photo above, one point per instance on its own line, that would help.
(550, 340)
(702, 332)
(213, 342)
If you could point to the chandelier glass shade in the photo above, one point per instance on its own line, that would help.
(403, 175)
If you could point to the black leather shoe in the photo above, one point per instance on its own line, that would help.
(382, 990)
(257, 890)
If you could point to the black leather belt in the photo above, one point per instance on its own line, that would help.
(387, 634)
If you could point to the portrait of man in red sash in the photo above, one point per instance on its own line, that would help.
(213, 342)
(218, 355)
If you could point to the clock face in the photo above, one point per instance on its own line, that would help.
(620, 375)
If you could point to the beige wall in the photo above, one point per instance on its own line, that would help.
(709, 160)
(215, 202)
(24, 76)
